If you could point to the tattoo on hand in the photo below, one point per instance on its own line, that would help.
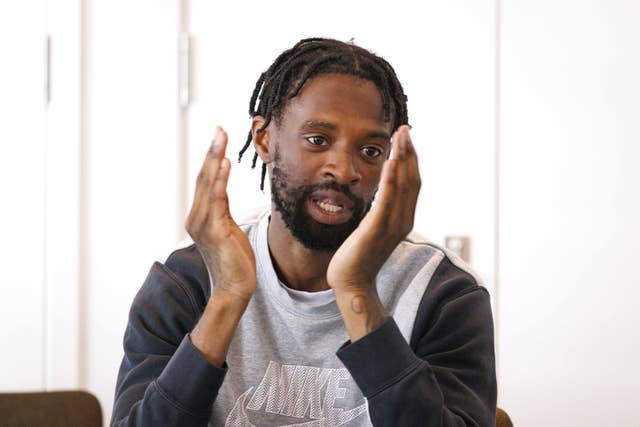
(359, 306)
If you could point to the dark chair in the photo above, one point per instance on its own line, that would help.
(502, 419)
(51, 409)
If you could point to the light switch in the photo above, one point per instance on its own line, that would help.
(461, 245)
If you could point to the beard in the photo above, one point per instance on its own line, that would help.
(290, 201)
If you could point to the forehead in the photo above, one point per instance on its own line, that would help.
(341, 99)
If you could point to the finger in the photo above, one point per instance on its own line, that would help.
(392, 172)
(217, 154)
(396, 209)
(218, 197)
(402, 185)
(395, 199)
(413, 181)
(386, 194)
(207, 176)
(413, 167)
(395, 149)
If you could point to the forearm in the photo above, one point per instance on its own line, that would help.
(189, 382)
(361, 310)
(215, 329)
(181, 394)
(446, 379)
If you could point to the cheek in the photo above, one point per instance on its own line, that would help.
(292, 173)
(371, 180)
(299, 169)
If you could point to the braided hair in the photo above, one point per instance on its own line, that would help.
(310, 57)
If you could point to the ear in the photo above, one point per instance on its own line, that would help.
(262, 139)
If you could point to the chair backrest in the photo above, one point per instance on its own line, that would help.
(502, 419)
(53, 408)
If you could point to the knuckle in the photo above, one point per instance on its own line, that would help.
(409, 226)
(203, 178)
(190, 222)
(217, 196)
(211, 197)
(193, 232)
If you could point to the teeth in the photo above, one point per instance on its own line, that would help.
(329, 208)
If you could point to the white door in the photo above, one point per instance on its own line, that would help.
(39, 178)
(131, 169)
(22, 195)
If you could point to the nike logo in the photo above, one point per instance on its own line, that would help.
(305, 393)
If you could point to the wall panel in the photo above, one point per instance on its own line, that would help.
(569, 207)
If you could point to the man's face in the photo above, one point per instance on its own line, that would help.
(329, 149)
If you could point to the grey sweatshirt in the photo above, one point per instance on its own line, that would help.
(290, 362)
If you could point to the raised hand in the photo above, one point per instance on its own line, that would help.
(226, 252)
(354, 266)
(223, 245)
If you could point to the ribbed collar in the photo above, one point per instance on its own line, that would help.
(268, 280)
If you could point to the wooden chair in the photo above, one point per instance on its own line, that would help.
(502, 419)
(51, 409)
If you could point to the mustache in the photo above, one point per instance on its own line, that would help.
(345, 189)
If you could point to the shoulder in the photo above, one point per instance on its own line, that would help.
(449, 274)
(186, 266)
(437, 277)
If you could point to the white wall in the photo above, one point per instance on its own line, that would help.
(22, 194)
(39, 184)
(63, 289)
(131, 169)
(570, 203)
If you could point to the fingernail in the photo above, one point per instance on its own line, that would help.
(217, 137)
(223, 168)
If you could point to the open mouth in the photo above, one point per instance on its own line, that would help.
(328, 206)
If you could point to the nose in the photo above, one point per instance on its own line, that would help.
(340, 166)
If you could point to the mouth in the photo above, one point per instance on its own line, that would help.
(330, 207)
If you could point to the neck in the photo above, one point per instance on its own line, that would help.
(296, 266)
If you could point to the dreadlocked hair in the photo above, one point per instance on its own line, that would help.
(310, 57)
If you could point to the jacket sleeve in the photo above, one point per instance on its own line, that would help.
(446, 377)
(163, 378)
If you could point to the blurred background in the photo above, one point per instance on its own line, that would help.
(526, 116)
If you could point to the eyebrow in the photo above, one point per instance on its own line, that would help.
(314, 124)
(309, 124)
(379, 134)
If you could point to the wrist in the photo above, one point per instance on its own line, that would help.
(353, 286)
(215, 329)
(230, 297)
(233, 293)
(362, 311)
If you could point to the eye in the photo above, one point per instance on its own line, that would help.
(371, 152)
(316, 140)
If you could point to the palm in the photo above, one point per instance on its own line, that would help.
(224, 247)
(358, 260)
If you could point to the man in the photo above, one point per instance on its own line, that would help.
(323, 310)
